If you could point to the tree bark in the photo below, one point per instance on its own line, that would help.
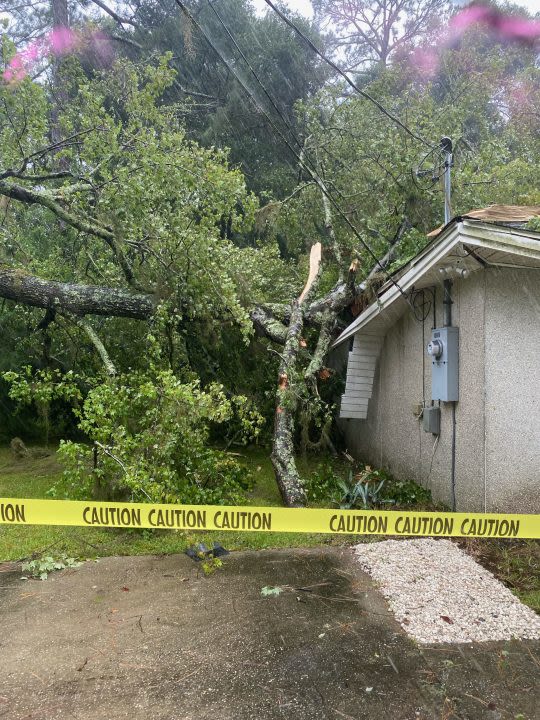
(78, 299)
(267, 325)
(287, 476)
(60, 19)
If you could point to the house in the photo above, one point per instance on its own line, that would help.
(443, 368)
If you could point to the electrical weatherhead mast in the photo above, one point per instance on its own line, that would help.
(443, 160)
(447, 150)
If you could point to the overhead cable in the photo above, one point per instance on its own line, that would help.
(314, 175)
(344, 75)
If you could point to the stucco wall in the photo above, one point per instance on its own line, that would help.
(497, 455)
(513, 389)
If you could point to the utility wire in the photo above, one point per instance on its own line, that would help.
(314, 175)
(252, 71)
(304, 161)
(344, 75)
(283, 118)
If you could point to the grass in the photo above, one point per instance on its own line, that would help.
(33, 477)
(515, 562)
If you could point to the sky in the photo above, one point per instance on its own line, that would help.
(301, 6)
(304, 6)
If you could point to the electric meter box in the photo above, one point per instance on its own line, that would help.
(444, 352)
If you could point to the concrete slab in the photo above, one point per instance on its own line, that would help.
(151, 638)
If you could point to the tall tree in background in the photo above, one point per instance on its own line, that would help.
(372, 31)
(216, 110)
(60, 19)
(221, 112)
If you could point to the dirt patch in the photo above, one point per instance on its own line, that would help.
(40, 461)
(148, 637)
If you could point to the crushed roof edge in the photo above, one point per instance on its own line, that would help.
(415, 268)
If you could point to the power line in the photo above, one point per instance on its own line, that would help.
(252, 71)
(303, 160)
(238, 79)
(314, 175)
(284, 120)
(344, 75)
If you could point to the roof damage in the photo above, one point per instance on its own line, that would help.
(493, 236)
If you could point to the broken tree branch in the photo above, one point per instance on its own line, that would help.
(87, 225)
(388, 257)
(100, 347)
(322, 347)
(315, 258)
(120, 20)
(282, 457)
(330, 233)
(266, 325)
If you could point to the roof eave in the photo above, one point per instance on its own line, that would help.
(517, 241)
(416, 268)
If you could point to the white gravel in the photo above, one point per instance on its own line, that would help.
(439, 594)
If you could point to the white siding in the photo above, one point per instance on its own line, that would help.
(360, 373)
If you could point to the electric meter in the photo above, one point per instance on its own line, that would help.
(443, 349)
(435, 349)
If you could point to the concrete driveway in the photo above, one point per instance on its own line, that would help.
(151, 638)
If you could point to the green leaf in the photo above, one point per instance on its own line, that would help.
(270, 591)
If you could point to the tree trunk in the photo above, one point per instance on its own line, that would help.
(77, 299)
(288, 479)
(60, 19)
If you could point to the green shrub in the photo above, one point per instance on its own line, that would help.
(362, 487)
(148, 437)
(363, 490)
(324, 483)
(406, 492)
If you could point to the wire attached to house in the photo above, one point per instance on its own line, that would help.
(421, 305)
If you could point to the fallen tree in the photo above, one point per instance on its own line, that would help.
(146, 223)
(283, 325)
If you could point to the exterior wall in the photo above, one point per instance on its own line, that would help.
(392, 435)
(497, 418)
(513, 389)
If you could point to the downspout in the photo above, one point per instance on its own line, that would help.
(447, 322)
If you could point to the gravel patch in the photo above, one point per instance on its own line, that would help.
(439, 594)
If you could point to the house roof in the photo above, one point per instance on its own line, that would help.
(504, 214)
(463, 246)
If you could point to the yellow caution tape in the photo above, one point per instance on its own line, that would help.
(266, 519)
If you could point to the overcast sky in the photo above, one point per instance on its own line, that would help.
(304, 6)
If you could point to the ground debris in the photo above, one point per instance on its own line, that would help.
(201, 551)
